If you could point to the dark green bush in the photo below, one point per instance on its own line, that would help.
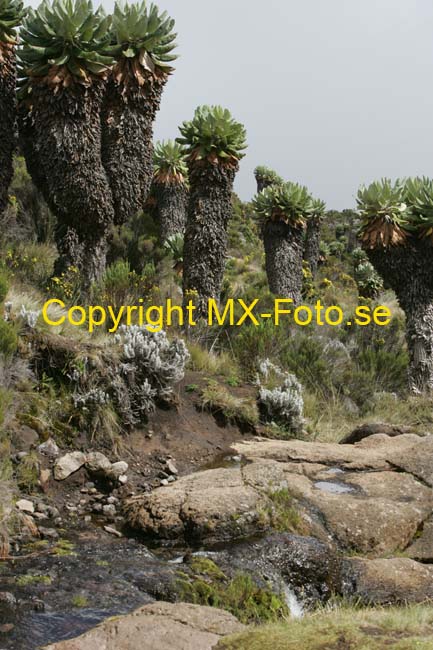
(8, 339)
(4, 286)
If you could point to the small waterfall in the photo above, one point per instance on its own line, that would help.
(295, 606)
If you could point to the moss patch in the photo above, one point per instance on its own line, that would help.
(282, 514)
(29, 579)
(239, 595)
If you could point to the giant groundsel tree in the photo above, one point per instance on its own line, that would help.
(170, 188)
(312, 238)
(266, 177)
(63, 69)
(143, 41)
(11, 13)
(397, 234)
(214, 144)
(284, 210)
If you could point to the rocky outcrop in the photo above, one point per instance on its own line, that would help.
(372, 497)
(372, 429)
(393, 581)
(164, 626)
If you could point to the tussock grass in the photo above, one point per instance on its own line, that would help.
(346, 628)
(220, 400)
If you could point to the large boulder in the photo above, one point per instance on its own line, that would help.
(213, 505)
(393, 581)
(162, 626)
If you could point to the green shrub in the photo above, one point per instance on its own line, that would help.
(4, 286)
(8, 339)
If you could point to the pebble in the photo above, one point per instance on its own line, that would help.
(25, 506)
(172, 467)
(109, 510)
(164, 482)
(49, 533)
(112, 531)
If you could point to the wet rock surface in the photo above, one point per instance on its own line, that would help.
(372, 497)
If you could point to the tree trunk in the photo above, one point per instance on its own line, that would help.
(7, 119)
(62, 144)
(408, 271)
(172, 201)
(284, 249)
(262, 184)
(312, 244)
(128, 114)
(205, 249)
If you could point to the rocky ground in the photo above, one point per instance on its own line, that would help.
(305, 521)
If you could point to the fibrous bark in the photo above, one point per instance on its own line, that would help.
(312, 244)
(262, 184)
(172, 201)
(62, 144)
(209, 211)
(128, 114)
(7, 119)
(284, 251)
(408, 271)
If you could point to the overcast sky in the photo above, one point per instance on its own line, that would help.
(333, 93)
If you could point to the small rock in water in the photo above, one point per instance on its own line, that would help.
(25, 506)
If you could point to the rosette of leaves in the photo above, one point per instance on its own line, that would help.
(284, 211)
(170, 188)
(143, 41)
(62, 43)
(265, 177)
(169, 163)
(419, 195)
(386, 217)
(214, 142)
(63, 66)
(213, 135)
(290, 203)
(11, 14)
